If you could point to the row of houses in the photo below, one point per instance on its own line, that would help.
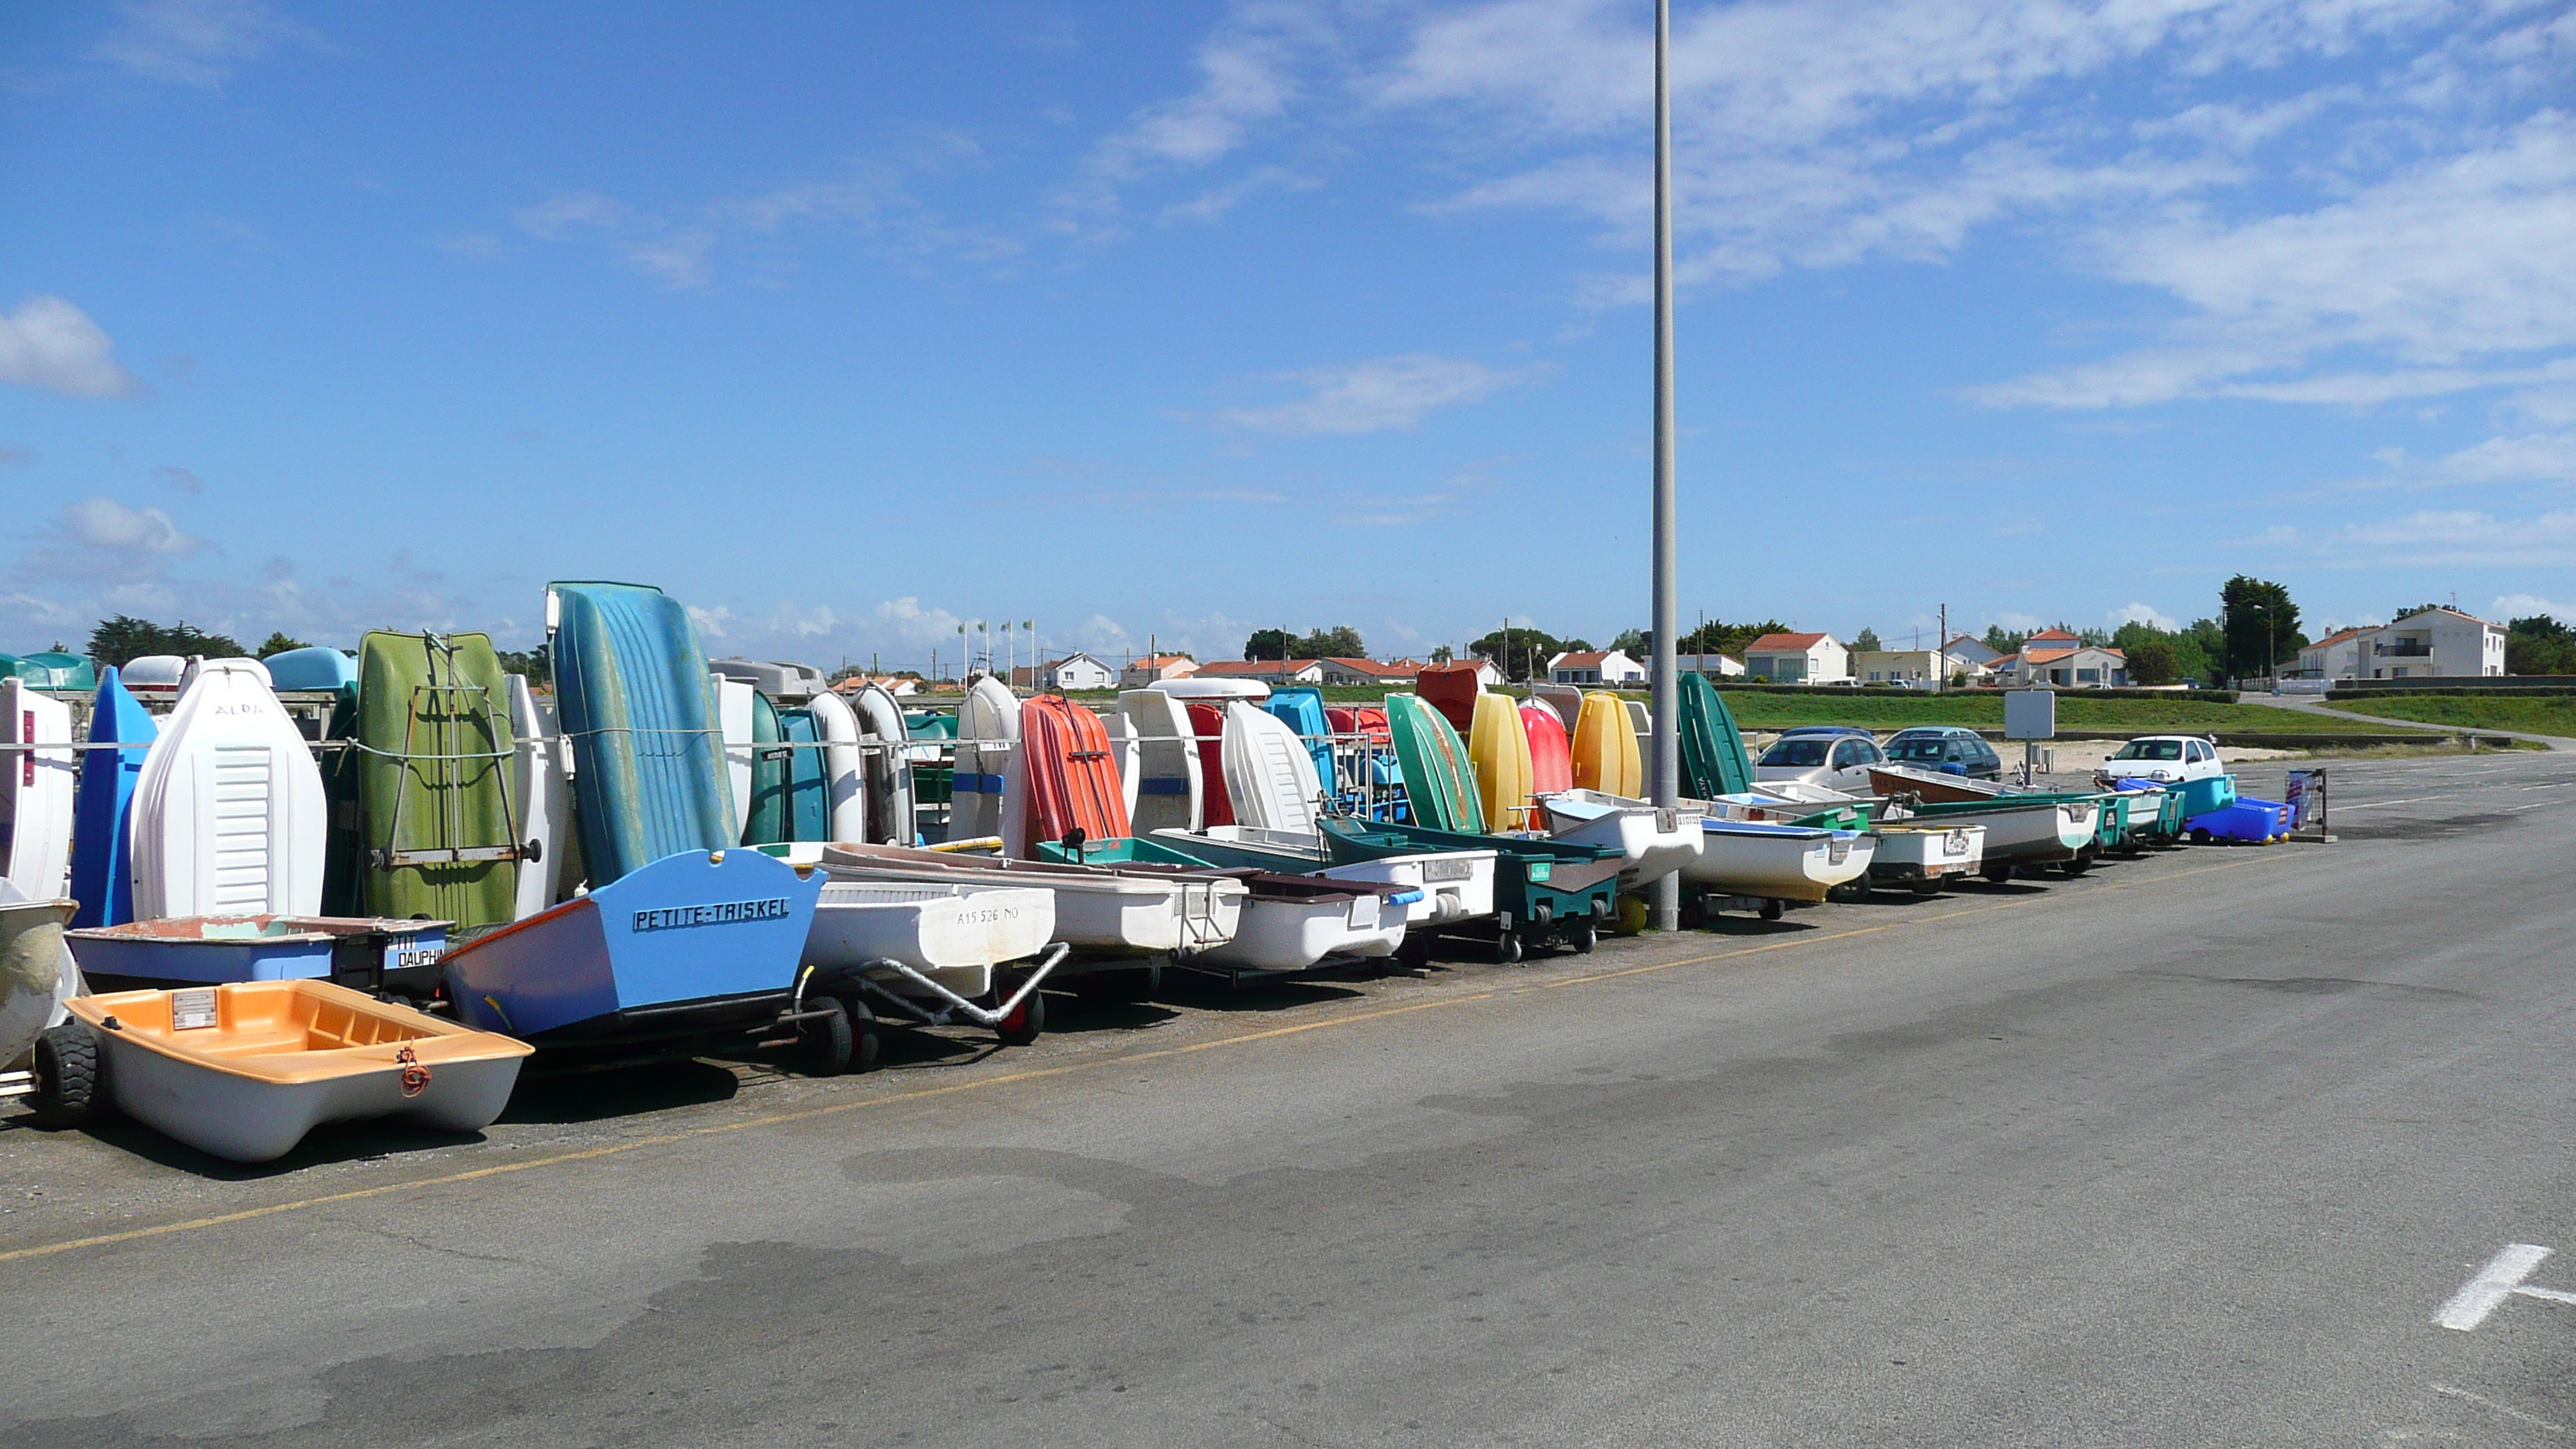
(2427, 643)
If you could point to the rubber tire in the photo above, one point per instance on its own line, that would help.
(68, 1080)
(2200, 837)
(1926, 889)
(1998, 874)
(1584, 936)
(1507, 948)
(823, 1045)
(1415, 953)
(865, 1043)
(1027, 1024)
(1773, 910)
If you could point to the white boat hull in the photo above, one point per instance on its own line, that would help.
(1095, 911)
(1782, 863)
(36, 792)
(1456, 885)
(1927, 852)
(1654, 841)
(228, 815)
(1288, 935)
(953, 934)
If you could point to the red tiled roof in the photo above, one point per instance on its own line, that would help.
(1777, 643)
(1161, 661)
(2341, 635)
(2050, 634)
(1374, 669)
(1452, 667)
(1581, 661)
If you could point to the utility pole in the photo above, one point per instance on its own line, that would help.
(1941, 654)
(1668, 735)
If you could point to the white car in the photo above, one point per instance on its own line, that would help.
(1835, 757)
(2165, 759)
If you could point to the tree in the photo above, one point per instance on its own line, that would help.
(2095, 638)
(1866, 640)
(1720, 637)
(2002, 641)
(535, 663)
(1635, 643)
(1339, 642)
(124, 639)
(1266, 644)
(1440, 654)
(278, 643)
(2152, 663)
(1523, 655)
(1576, 646)
(2538, 645)
(2261, 626)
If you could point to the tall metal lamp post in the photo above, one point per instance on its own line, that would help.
(1668, 743)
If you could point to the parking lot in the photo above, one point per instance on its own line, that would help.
(2192, 1149)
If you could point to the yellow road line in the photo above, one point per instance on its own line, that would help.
(1038, 1073)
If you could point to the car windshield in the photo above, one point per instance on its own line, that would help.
(1921, 747)
(1803, 753)
(2150, 750)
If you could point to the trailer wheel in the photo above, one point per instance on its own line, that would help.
(1026, 1021)
(2200, 837)
(1771, 910)
(67, 1076)
(823, 1043)
(2077, 866)
(1415, 953)
(1998, 874)
(1584, 936)
(865, 1043)
(1507, 947)
(1927, 888)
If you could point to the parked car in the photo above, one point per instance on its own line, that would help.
(2166, 759)
(1837, 757)
(1950, 749)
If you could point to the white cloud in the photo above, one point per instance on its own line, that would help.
(557, 215)
(2523, 606)
(679, 259)
(197, 42)
(801, 620)
(710, 623)
(104, 523)
(907, 620)
(1374, 395)
(2449, 538)
(51, 344)
(2146, 614)
(1247, 74)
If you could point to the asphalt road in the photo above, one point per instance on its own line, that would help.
(2190, 1151)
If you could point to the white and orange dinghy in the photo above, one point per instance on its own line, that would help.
(243, 1071)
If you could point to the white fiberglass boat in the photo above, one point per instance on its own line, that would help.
(228, 815)
(1920, 855)
(1096, 910)
(953, 934)
(1456, 885)
(1777, 862)
(1656, 841)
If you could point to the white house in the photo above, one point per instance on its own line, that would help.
(1268, 671)
(2431, 644)
(2085, 666)
(1715, 666)
(1600, 666)
(1797, 659)
(1970, 653)
(2336, 656)
(1922, 667)
(1153, 667)
(1077, 671)
(1487, 676)
(1362, 672)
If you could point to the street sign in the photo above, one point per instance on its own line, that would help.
(2030, 714)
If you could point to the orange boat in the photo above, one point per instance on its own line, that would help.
(244, 1070)
(1551, 753)
(1072, 777)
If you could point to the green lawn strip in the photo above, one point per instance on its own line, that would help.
(2547, 716)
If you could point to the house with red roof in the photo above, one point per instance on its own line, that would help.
(1140, 673)
(1797, 659)
(1596, 666)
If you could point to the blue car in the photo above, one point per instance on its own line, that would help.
(1950, 749)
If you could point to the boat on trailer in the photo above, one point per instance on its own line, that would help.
(1656, 840)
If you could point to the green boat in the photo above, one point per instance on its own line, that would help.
(791, 793)
(1543, 888)
(1714, 760)
(439, 837)
(1439, 784)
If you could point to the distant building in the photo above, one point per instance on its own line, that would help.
(1797, 659)
(2434, 643)
(1972, 651)
(1267, 671)
(893, 683)
(1153, 667)
(2336, 656)
(2084, 666)
(1599, 666)
(1715, 666)
(1922, 667)
(1362, 672)
(1072, 672)
(1487, 676)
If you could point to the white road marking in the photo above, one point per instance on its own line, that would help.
(2483, 1402)
(2552, 1294)
(2479, 1296)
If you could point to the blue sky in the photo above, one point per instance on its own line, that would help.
(845, 323)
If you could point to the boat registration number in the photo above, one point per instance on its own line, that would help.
(191, 1010)
(1438, 870)
(1363, 913)
(1955, 843)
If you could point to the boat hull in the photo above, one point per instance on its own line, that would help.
(1294, 935)
(102, 878)
(1912, 853)
(955, 935)
(1096, 912)
(1653, 840)
(1777, 862)
(1456, 885)
(36, 791)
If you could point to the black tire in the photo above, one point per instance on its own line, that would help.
(1927, 888)
(2075, 867)
(1998, 874)
(2200, 837)
(1026, 1022)
(823, 1042)
(1771, 910)
(1507, 948)
(865, 1044)
(68, 1079)
(1584, 937)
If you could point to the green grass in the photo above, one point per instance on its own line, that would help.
(2547, 716)
(1984, 709)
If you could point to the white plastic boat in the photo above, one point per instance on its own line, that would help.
(2025, 832)
(1456, 885)
(228, 811)
(36, 973)
(1169, 791)
(953, 934)
(542, 796)
(1293, 930)
(844, 773)
(1777, 862)
(1127, 753)
(1189, 688)
(244, 1071)
(35, 792)
(1269, 773)
(1656, 841)
(988, 733)
(1096, 910)
(887, 766)
(1921, 855)
(777, 678)
(734, 711)
(153, 672)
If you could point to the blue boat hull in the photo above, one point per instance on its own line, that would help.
(102, 877)
(686, 943)
(649, 775)
(167, 953)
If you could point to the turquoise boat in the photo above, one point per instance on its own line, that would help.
(632, 693)
(50, 670)
(102, 877)
(791, 792)
(314, 668)
(1302, 710)
(1714, 760)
